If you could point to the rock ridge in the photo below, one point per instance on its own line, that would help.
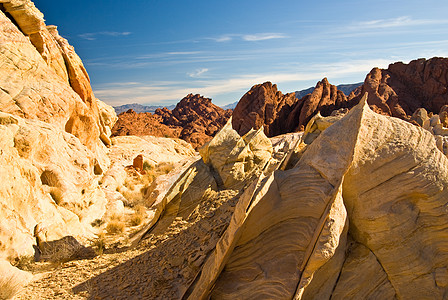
(195, 119)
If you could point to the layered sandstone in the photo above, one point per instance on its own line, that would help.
(63, 179)
(195, 119)
(363, 191)
(54, 133)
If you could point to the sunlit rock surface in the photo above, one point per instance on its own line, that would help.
(360, 214)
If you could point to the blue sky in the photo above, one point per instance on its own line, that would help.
(157, 51)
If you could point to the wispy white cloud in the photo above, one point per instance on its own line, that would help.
(197, 73)
(249, 37)
(262, 37)
(183, 52)
(403, 21)
(172, 54)
(224, 38)
(91, 36)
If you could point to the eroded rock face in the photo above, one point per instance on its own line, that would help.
(397, 91)
(54, 135)
(324, 99)
(401, 89)
(43, 78)
(195, 119)
(141, 124)
(367, 190)
(264, 106)
(362, 145)
(53, 175)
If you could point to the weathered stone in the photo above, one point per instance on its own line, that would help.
(195, 119)
(11, 280)
(420, 116)
(263, 106)
(138, 163)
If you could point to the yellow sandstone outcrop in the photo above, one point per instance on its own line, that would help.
(362, 214)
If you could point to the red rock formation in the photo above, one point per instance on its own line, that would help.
(264, 106)
(132, 123)
(324, 99)
(403, 88)
(397, 91)
(195, 119)
(199, 118)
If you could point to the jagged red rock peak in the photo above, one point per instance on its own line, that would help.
(195, 119)
(401, 89)
(397, 91)
(324, 99)
(265, 106)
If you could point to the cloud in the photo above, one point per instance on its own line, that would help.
(183, 52)
(248, 37)
(402, 21)
(171, 54)
(91, 36)
(262, 37)
(223, 38)
(197, 72)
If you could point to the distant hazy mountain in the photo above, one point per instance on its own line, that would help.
(138, 108)
(348, 88)
(345, 88)
(230, 105)
(300, 94)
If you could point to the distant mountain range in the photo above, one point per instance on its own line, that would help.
(230, 105)
(345, 88)
(138, 108)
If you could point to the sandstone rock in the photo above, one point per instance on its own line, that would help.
(195, 119)
(324, 99)
(52, 174)
(51, 143)
(137, 163)
(154, 151)
(108, 118)
(401, 89)
(41, 68)
(249, 263)
(11, 280)
(237, 158)
(397, 91)
(263, 106)
(363, 193)
(143, 124)
(420, 116)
